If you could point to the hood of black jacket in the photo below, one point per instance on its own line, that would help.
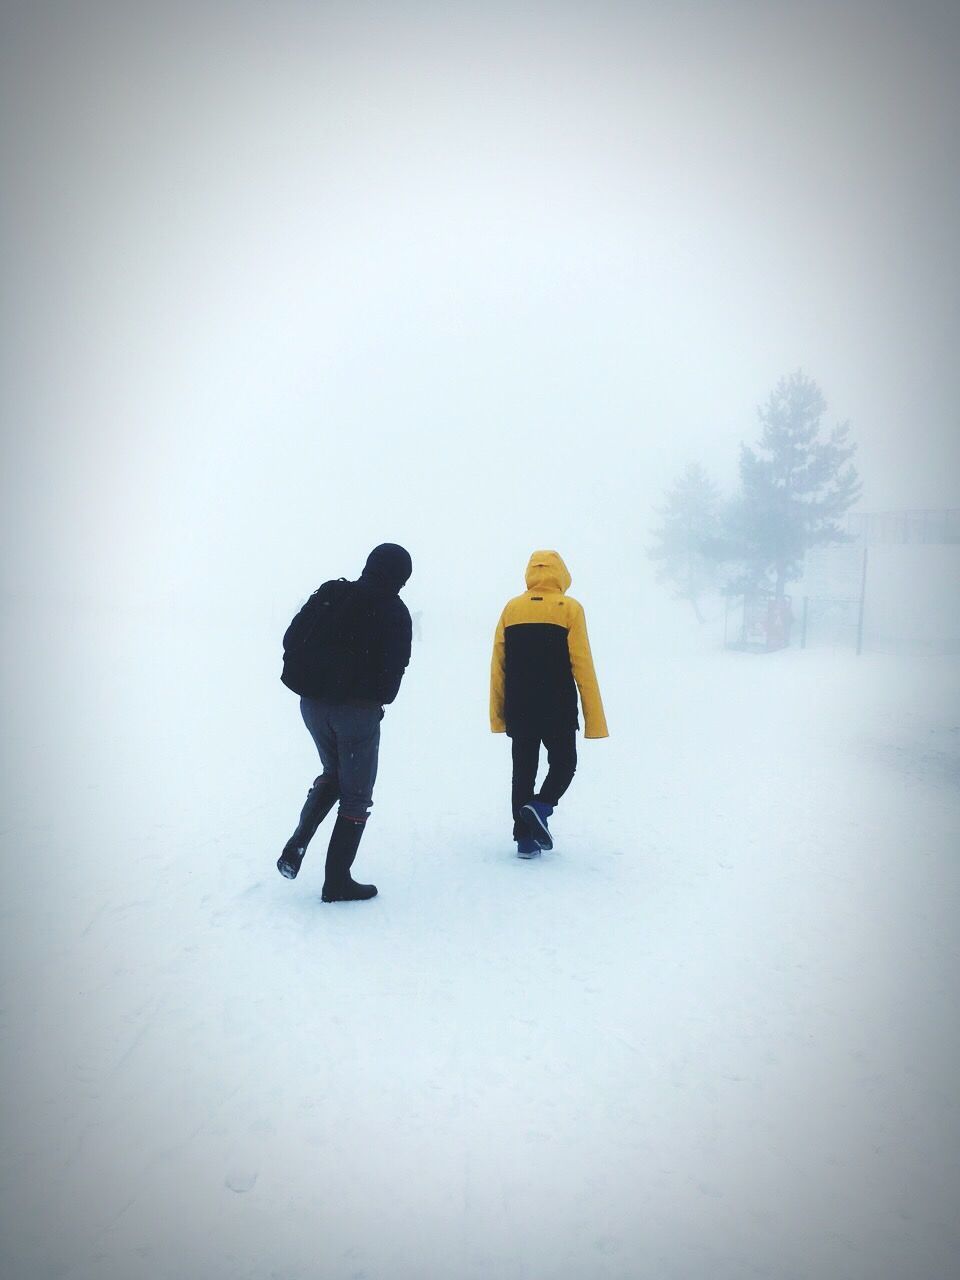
(388, 565)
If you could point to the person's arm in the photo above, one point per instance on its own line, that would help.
(497, 678)
(581, 662)
(396, 652)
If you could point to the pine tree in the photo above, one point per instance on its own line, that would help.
(794, 487)
(689, 537)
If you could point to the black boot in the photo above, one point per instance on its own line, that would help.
(339, 885)
(320, 800)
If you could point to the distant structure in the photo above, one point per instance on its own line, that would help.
(895, 585)
(878, 528)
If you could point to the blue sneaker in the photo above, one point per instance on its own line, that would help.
(535, 815)
(527, 847)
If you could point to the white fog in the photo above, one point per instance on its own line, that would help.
(285, 282)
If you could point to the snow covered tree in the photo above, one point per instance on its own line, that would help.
(688, 540)
(795, 486)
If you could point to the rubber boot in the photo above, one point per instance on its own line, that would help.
(320, 800)
(339, 885)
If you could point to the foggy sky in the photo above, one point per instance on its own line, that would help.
(286, 280)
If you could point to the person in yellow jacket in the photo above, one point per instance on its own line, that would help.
(541, 657)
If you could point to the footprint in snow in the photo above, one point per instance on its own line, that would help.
(241, 1180)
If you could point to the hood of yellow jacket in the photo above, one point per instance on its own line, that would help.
(547, 572)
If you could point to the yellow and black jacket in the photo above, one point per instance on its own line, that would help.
(541, 656)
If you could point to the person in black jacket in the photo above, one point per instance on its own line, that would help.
(345, 653)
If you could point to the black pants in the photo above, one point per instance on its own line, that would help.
(562, 761)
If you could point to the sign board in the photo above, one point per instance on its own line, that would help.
(832, 573)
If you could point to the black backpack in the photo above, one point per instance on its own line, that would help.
(318, 652)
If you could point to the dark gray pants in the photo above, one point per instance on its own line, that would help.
(348, 740)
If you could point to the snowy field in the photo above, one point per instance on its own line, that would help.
(713, 1036)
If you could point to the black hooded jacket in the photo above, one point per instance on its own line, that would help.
(372, 640)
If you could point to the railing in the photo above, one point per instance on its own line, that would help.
(927, 526)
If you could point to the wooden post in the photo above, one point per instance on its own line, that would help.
(863, 594)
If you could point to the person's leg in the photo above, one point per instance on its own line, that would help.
(316, 716)
(562, 761)
(526, 758)
(321, 796)
(320, 800)
(357, 732)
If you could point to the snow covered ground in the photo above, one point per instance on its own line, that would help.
(713, 1036)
